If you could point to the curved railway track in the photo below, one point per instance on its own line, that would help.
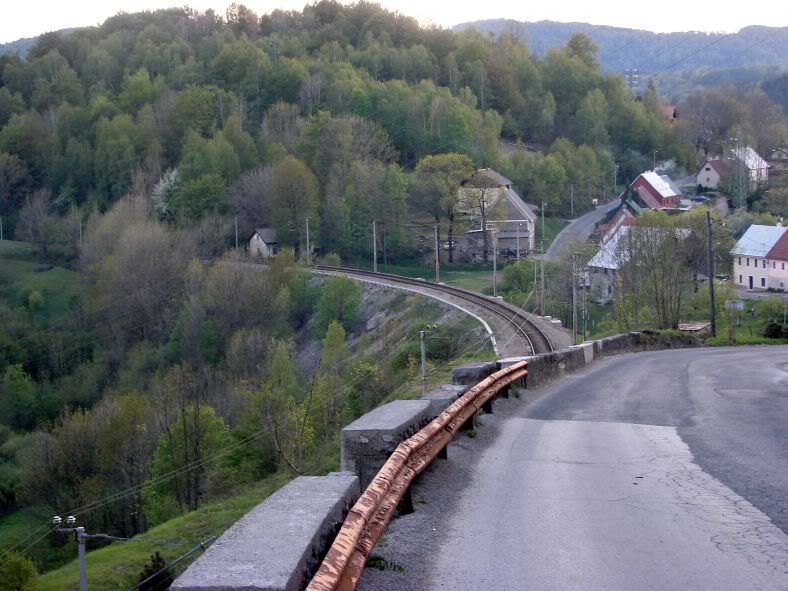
(536, 340)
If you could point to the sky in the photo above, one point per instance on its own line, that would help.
(29, 18)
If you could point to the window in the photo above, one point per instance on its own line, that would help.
(740, 279)
(707, 170)
(740, 260)
(783, 267)
(774, 265)
(763, 281)
(748, 262)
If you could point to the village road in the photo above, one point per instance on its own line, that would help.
(659, 470)
(579, 229)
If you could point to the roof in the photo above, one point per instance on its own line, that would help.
(519, 206)
(495, 176)
(779, 154)
(661, 184)
(750, 158)
(721, 165)
(780, 249)
(758, 240)
(267, 235)
(608, 256)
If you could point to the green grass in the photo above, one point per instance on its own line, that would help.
(117, 566)
(11, 249)
(552, 226)
(56, 284)
(473, 277)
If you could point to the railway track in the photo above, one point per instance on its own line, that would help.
(536, 340)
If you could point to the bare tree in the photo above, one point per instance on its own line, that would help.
(30, 226)
(310, 93)
(283, 124)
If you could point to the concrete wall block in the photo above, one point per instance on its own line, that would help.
(279, 544)
(368, 441)
(442, 396)
(473, 373)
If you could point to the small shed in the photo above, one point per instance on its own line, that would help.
(263, 243)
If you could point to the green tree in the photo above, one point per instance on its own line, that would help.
(196, 434)
(340, 300)
(294, 197)
(203, 195)
(437, 181)
(17, 399)
(17, 573)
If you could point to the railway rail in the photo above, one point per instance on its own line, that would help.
(536, 340)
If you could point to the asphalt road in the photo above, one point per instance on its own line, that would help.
(579, 229)
(664, 470)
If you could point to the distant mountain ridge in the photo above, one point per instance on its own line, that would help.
(650, 52)
(20, 46)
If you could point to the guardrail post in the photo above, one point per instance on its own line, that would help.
(504, 392)
(405, 506)
(443, 454)
(487, 407)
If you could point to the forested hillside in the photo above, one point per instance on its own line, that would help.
(654, 52)
(135, 345)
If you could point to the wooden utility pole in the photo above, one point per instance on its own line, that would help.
(236, 232)
(375, 245)
(572, 199)
(541, 264)
(495, 263)
(307, 242)
(437, 257)
(574, 298)
(710, 270)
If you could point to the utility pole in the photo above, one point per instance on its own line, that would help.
(495, 263)
(518, 239)
(655, 161)
(307, 242)
(574, 298)
(236, 232)
(710, 271)
(572, 199)
(437, 257)
(375, 245)
(585, 311)
(83, 567)
(543, 206)
(541, 264)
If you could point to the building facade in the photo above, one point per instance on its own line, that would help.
(757, 264)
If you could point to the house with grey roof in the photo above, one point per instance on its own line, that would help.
(757, 264)
(488, 198)
(263, 243)
(756, 168)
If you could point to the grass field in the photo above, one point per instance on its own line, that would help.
(476, 279)
(20, 275)
(552, 226)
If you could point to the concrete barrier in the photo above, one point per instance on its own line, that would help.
(473, 373)
(368, 441)
(279, 544)
(442, 396)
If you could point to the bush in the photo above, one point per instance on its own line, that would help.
(340, 299)
(775, 331)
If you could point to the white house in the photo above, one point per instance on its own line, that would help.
(603, 267)
(753, 267)
(263, 243)
(757, 169)
(712, 172)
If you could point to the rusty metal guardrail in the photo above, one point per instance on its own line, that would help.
(342, 567)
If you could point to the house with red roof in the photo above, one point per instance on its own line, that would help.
(760, 258)
(777, 263)
(654, 191)
(713, 171)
